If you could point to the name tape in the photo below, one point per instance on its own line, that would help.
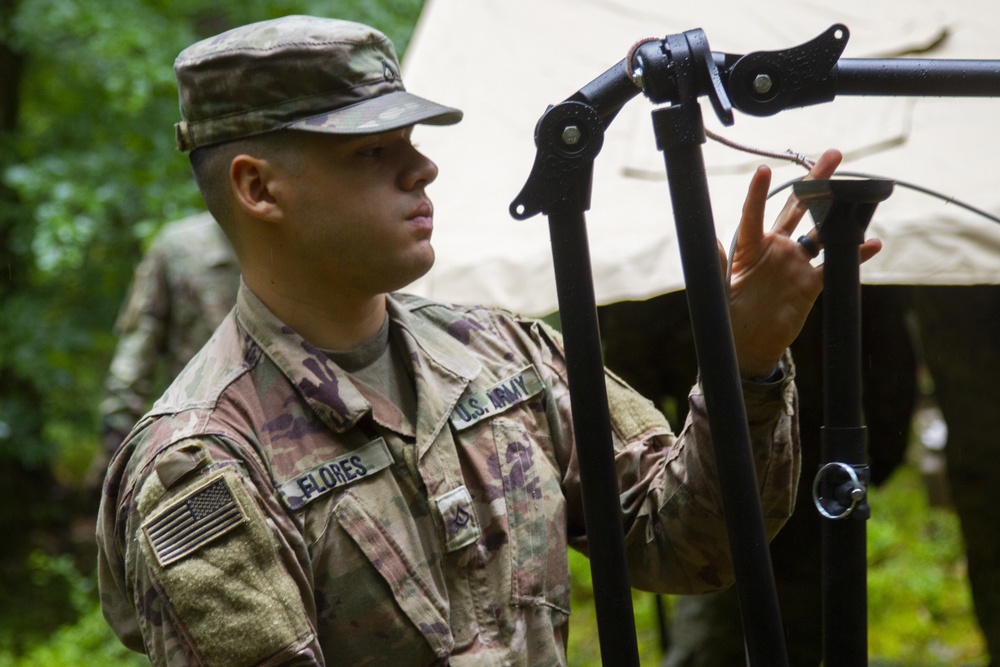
(341, 471)
(500, 397)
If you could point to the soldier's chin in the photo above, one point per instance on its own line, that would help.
(420, 268)
(431, 256)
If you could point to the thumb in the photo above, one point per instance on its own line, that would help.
(723, 259)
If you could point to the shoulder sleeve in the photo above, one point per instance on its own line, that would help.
(192, 569)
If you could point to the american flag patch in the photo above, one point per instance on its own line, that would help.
(195, 520)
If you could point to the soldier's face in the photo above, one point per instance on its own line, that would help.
(359, 211)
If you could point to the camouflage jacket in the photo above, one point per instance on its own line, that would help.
(272, 510)
(182, 289)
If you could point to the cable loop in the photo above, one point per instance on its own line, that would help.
(629, 69)
(788, 154)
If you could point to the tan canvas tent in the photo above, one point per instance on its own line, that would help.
(504, 61)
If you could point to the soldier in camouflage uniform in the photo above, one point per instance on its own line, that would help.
(349, 475)
(182, 289)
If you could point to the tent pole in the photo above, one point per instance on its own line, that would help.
(595, 451)
(680, 133)
(843, 209)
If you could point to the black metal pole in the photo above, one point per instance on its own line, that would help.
(569, 137)
(904, 77)
(845, 599)
(680, 133)
(592, 425)
(768, 82)
(843, 210)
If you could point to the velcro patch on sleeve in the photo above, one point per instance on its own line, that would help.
(631, 413)
(214, 559)
(198, 518)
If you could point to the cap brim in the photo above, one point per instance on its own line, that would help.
(384, 113)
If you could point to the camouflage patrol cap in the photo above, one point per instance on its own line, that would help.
(296, 72)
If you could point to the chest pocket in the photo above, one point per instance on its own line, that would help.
(536, 516)
(376, 594)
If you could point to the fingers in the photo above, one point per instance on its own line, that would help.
(870, 248)
(826, 164)
(723, 258)
(751, 229)
(807, 243)
(793, 210)
(866, 251)
(752, 221)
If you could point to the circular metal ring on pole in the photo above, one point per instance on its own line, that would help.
(854, 495)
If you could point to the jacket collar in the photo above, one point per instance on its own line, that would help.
(438, 359)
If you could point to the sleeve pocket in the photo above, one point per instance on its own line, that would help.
(222, 588)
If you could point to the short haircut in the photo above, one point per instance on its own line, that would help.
(211, 164)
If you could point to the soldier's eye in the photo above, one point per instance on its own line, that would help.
(372, 151)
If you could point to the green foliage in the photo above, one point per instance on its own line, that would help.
(86, 641)
(584, 644)
(918, 597)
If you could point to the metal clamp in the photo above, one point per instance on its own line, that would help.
(847, 495)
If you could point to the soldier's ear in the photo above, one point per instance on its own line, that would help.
(253, 181)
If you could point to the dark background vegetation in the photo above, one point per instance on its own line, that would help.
(88, 173)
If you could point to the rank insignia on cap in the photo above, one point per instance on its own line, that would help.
(199, 518)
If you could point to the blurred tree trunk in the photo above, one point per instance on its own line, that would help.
(11, 65)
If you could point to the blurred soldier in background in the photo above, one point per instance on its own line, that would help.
(182, 289)
(960, 328)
